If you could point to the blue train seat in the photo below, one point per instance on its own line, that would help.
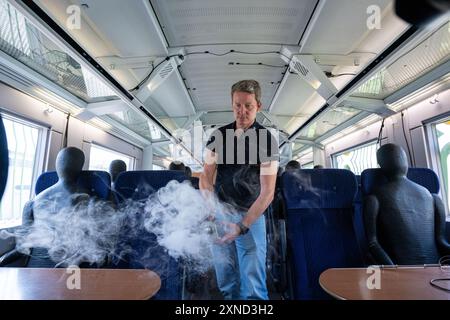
(146, 252)
(95, 182)
(319, 204)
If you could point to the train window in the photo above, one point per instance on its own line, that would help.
(441, 133)
(156, 167)
(357, 159)
(26, 142)
(100, 158)
(308, 165)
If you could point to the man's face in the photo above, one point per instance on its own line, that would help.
(245, 108)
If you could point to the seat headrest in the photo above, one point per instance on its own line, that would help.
(372, 178)
(45, 181)
(318, 188)
(95, 182)
(139, 184)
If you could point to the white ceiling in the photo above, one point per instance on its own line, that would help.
(199, 22)
(210, 77)
(149, 30)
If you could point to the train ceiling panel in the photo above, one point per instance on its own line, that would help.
(198, 22)
(209, 76)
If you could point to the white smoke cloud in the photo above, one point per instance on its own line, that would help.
(89, 230)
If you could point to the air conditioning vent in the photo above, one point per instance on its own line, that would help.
(163, 72)
(297, 66)
(166, 71)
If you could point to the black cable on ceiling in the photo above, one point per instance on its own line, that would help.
(259, 64)
(137, 87)
(411, 160)
(380, 133)
(236, 51)
(182, 56)
(66, 132)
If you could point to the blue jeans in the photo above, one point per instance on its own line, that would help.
(241, 265)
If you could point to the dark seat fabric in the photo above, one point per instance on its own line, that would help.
(145, 250)
(373, 178)
(195, 182)
(94, 182)
(448, 230)
(319, 204)
(358, 224)
(3, 158)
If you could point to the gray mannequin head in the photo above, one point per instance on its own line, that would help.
(177, 165)
(116, 167)
(292, 165)
(69, 163)
(392, 160)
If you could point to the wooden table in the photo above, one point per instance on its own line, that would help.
(401, 283)
(64, 284)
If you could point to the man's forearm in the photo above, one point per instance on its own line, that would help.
(257, 209)
(206, 183)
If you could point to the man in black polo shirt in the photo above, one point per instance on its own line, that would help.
(245, 155)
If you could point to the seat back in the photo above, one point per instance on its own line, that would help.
(447, 229)
(45, 181)
(94, 182)
(195, 182)
(373, 178)
(319, 204)
(358, 223)
(138, 185)
(3, 158)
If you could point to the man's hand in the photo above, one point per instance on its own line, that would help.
(232, 232)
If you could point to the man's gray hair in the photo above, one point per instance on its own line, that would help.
(249, 86)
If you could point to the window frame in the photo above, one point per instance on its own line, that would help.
(357, 146)
(42, 147)
(94, 144)
(433, 155)
(310, 163)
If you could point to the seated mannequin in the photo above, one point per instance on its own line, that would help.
(69, 164)
(292, 165)
(116, 167)
(405, 223)
(64, 193)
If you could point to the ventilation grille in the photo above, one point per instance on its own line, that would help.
(298, 67)
(267, 12)
(200, 22)
(166, 71)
